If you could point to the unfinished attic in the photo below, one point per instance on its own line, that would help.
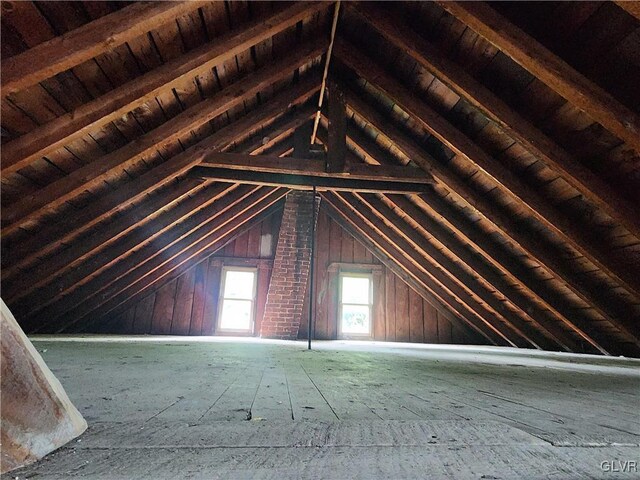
(248, 239)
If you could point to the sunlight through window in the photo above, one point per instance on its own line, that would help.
(356, 299)
(237, 300)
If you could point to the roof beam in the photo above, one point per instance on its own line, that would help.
(131, 295)
(306, 181)
(437, 276)
(81, 44)
(459, 276)
(315, 167)
(33, 288)
(632, 7)
(95, 173)
(48, 290)
(549, 68)
(349, 224)
(196, 230)
(52, 235)
(56, 265)
(403, 207)
(112, 105)
(509, 227)
(511, 122)
(568, 230)
(384, 249)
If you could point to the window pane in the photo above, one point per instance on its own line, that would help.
(239, 284)
(235, 315)
(355, 319)
(355, 290)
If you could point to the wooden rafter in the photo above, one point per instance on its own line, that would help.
(512, 230)
(337, 144)
(525, 195)
(307, 166)
(37, 287)
(65, 285)
(131, 296)
(69, 259)
(511, 122)
(53, 235)
(632, 7)
(99, 112)
(20, 285)
(549, 68)
(467, 301)
(386, 250)
(453, 239)
(106, 33)
(119, 263)
(52, 196)
(98, 289)
(457, 274)
(55, 275)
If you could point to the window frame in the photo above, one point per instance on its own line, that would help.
(341, 276)
(253, 300)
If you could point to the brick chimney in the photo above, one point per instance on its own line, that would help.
(291, 265)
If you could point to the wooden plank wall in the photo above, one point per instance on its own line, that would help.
(399, 313)
(188, 304)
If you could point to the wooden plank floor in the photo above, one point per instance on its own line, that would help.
(228, 409)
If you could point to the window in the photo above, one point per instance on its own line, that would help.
(237, 300)
(356, 300)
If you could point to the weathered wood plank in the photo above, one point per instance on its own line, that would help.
(574, 234)
(549, 68)
(53, 235)
(66, 51)
(52, 196)
(337, 128)
(130, 96)
(512, 123)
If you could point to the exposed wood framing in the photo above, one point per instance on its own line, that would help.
(391, 256)
(305, 181)
(94, 173)
(569, 231)
(306, 166)
(462, 233)
(512, 229)
(97, 113)
(337, 144)
(165, 276)
(632, 7)
(512, 123)
(35, 289)
(66, 51)
(52, 236)
(197, 232)
(549, 68)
